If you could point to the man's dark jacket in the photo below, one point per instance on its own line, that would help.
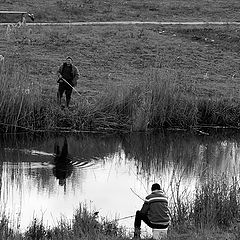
(74, 73)
(156, 208)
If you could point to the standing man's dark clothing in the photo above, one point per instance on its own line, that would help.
(154, 212)
(68, 75)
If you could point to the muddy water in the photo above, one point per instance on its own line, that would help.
(48, 177)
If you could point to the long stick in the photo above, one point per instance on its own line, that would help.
(125, 217)
(71, 86)
(137, 194)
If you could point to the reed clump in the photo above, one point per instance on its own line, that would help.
(157, 103)
(219, 111)
(5, 231)
(84, 225)
(20, 100)
(215, 205)
(162, 102)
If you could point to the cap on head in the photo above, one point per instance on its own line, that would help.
(155, 186)
(69, 58)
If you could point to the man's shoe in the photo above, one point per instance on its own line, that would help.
(137, 232)
(136, 238)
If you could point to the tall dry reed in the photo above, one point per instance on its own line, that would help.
(217, 202)
(215, 205)
(161, 101)
(156, 103)
(20, 99)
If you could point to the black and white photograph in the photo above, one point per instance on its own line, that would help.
(119, 120)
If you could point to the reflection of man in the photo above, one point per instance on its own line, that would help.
(62, 161)
(154, 212)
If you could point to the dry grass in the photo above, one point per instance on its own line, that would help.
(84, 225)
(217, 202)
(20, 104)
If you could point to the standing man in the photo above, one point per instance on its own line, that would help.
(154, 212)
(67, 78)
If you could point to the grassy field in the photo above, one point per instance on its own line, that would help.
(111, 10)
(203, 59)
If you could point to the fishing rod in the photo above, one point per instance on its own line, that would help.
(137, 194)
(125, 217)
(71, 86)
(131, 216)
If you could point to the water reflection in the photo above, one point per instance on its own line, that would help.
(191, 153)
(63, 167)
(51, 175)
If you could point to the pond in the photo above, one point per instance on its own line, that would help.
(49, 176)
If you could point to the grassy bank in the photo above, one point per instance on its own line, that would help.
(159, 102)
(212, 213)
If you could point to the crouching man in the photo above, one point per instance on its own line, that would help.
(154, 212)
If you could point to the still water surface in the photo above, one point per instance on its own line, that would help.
(48, 177)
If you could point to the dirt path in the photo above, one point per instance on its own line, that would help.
(127, 23)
